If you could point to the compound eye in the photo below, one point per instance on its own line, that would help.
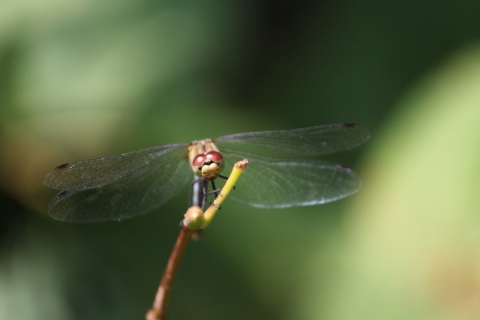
(214, 156)
(209, 165)
(199, 160)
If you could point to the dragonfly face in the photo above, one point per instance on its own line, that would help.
(283, 172)
(205, 159)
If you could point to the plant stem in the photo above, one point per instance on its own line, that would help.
(194, 220)
(162, 298)
(237, 171)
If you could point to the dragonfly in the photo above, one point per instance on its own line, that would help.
(284, 171)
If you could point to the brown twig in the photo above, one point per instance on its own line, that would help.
(159, 308)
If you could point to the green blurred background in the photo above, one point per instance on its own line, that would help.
(83, 79)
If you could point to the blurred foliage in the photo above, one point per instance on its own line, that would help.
(87, 79)
(411, 243)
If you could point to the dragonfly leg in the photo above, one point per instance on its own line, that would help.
(206, 193)
(226, 178)
(214, 191)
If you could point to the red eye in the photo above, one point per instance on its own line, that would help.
(199, 160)
(214, 156)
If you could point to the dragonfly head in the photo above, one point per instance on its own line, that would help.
(208, 165)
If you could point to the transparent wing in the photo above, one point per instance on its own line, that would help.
(98, 172)
(283, 184)
(279, 174)
(296, 143)
(118, 187)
